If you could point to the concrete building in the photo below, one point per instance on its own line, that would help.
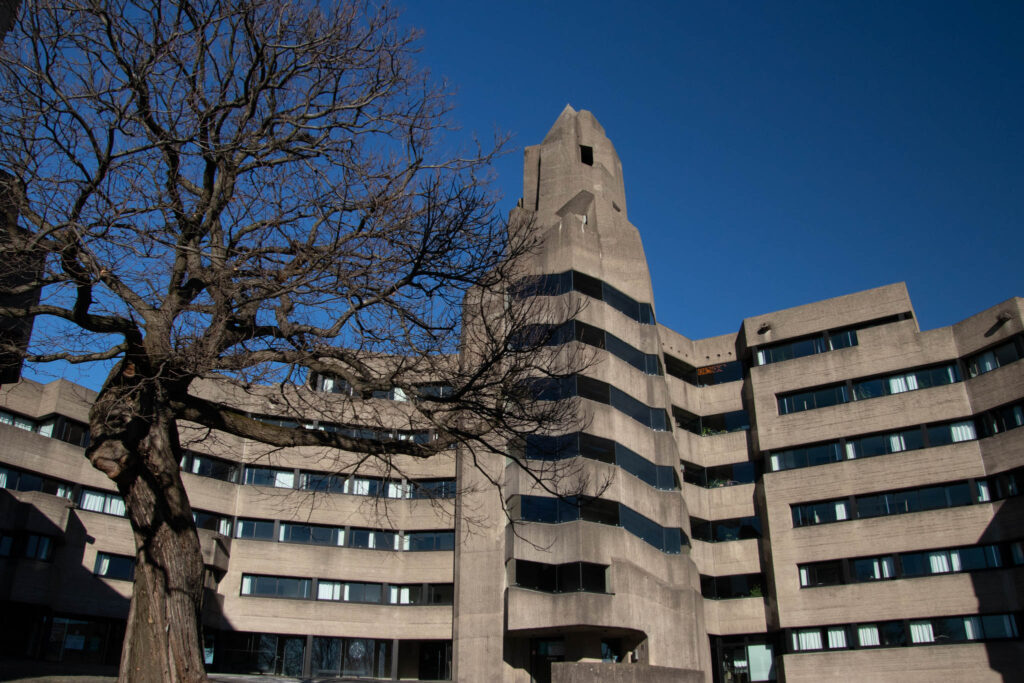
(830, 492)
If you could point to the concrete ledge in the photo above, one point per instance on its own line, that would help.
(608, 672)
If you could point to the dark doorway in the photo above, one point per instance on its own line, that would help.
(436, 660)
(543, 651)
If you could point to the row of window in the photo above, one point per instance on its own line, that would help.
(262, 586)
(285, 655)
(911, 564)
(901, 633)
(347, 537)
(1001, 419)
(989, 423)
(711, 425)
(986, 424)
(258, 475)
(851, 448)
(995, 357)
(955, 494)
(554, 389)
(859, 390)
(24, 545)
(820, 342)
(55, 427)
(336, 385)
(575, 281)
(20, 480)
(579, 508)
(977, 364)
(574, 330)
(719, 530)
(365, 433)
(720, 475)
(828, 340)
(806, 346)
(285, 532)
(706, 376)
(570, 577)
(605, 450)
(88, 499)
(112, 504)
(923, 378)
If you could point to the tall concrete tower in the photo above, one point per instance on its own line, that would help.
(593, 582)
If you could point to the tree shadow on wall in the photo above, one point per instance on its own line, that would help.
(1001, 591)
(59, 617)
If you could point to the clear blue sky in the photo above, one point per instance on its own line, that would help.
(775, 153)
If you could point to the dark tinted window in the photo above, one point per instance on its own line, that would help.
(822, 574)
(115, 566)
(737, 529)
(430, 540)
(993, 358)
(207, 466)
(735, 586)
(563, 578)
(324, 483)
(585, 284)
(433, 488)
(601, 511)
(358, 538)
(255, 528)
(309, 533)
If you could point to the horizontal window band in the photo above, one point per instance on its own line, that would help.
(903, 501)
(556, 389)
(669, 540)
(911, 565)
(903, 633)
(581, 444)
(574, 281)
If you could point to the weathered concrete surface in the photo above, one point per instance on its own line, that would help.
(607, 672)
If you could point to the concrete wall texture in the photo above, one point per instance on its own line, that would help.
(830, 492)
(585, 672)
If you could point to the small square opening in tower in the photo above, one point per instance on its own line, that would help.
(587, 155)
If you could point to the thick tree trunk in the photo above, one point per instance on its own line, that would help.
(135, 442)
(163, 639)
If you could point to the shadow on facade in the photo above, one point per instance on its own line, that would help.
(56, 610)
(1000, 591)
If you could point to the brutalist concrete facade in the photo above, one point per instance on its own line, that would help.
(650, 607)
(830, 492)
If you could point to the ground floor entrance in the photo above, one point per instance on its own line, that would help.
(322, 656)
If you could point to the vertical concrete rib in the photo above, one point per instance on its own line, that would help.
(652, 609)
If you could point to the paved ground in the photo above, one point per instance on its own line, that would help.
(59, 679)
(88, 678)
(41, 672)
(214, 678)
(32, 671)
(47, 672)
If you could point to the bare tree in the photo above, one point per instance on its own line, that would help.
(239, 192)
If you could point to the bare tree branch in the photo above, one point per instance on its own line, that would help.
(237, 201)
